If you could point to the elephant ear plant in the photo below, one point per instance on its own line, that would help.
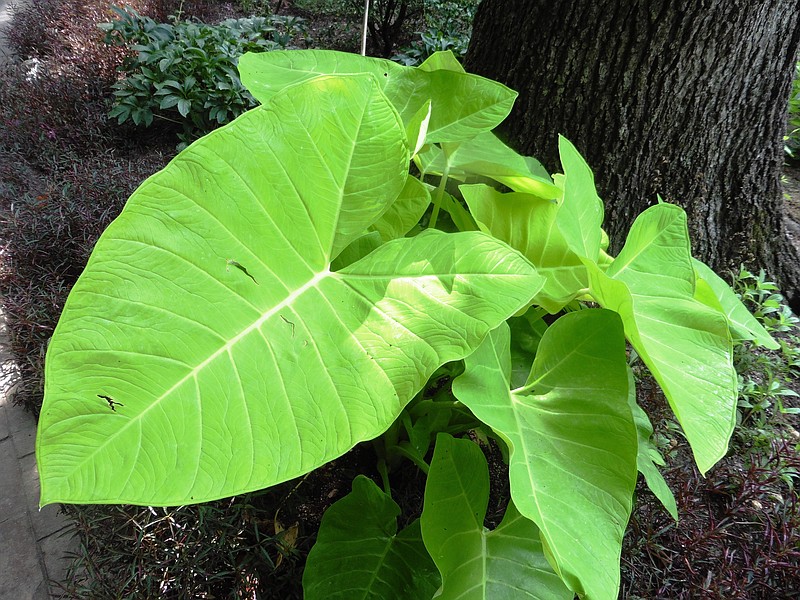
(300, 280)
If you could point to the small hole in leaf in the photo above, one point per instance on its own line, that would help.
(111, 402)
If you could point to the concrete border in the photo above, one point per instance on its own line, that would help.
(35, 543)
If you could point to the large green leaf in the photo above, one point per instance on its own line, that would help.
(743, 325)
(529, 224)
(462, 104)
(507, 563)
(685, 344)
(442, 60)
(581, 215)
(572, 440)
(359, 554)
(266, 74)
(209, 314)
(486, 156)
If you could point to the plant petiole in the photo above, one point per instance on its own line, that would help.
(437, 198)
(423, 466)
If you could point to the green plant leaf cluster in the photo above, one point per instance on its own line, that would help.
(361, 258)
(569, 427)
(446, 27)
(792, 138)
(185, 72)
(764, 375)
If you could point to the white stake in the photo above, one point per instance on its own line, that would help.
(364, 29)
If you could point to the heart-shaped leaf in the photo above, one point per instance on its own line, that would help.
(685, 344)
(572, 441)
(743, 325)
(530, 224)
(462, 104)
(359, 554)
(581, 216)
(208, 349)
(507, 563)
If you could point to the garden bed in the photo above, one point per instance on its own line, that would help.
(65, 172)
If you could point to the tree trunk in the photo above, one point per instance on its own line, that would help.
(682, 99)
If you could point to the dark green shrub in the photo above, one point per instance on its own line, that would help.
(185, 72)
(448, 26)
(388, 19)
(256, 7)
(391, 22)
(766, 377)
(792, 139)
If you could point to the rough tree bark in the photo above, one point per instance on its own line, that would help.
(682, 99)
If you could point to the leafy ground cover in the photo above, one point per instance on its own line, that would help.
(65, 173)
(792, 140)
(735, 537)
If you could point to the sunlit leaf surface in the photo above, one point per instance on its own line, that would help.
(208, 313)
